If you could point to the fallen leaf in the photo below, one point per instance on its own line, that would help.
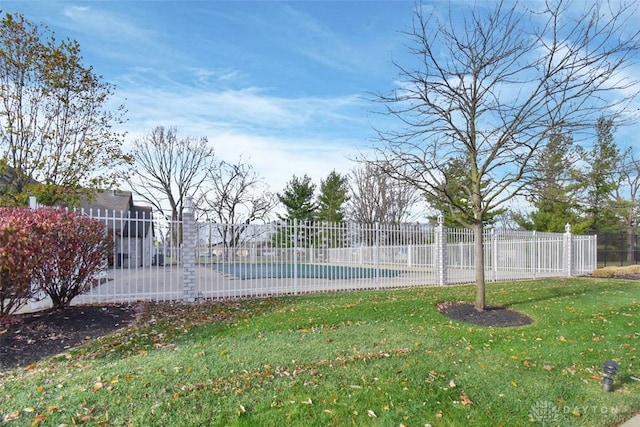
(465, 400)
(4, 331)
(97, 386)
(371, 413)
(12, 416)
(452, 384)
(38, 419)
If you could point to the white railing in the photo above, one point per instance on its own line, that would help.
(145, 263)
(151, 260)
(297, 258)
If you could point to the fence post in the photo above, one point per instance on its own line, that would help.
(494, 255)
(295, 256)
(568, 250)
(534, 255)
(189, 241)
(441, 252)
(377, 255)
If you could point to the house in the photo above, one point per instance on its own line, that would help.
(10, 177)
(131, 227)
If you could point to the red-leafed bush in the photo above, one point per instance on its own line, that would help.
(74, 250)
(19, 253)
(53, 251)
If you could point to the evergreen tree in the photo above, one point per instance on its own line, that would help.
(455, 196)
(332, 197)
(553, 189)
(605, 167)
(298, 200)
(331, 201)
(628, 204)
(300, 206)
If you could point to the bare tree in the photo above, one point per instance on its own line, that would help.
(491, 90)
(234, 196)
(168, 169)
(376, 198)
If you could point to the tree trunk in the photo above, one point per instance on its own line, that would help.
(479, 259)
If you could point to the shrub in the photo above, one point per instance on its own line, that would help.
(615, 271)
(19, 253)
(48, 250)
(74, 250)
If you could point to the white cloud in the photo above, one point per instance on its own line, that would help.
(274, 134)
(278, 159)
(247, 108)
(99, 22)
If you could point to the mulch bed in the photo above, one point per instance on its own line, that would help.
(28, 338)
(493, 316)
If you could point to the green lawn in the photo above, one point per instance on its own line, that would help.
(385, 358)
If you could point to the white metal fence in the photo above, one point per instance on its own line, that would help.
(153, 259)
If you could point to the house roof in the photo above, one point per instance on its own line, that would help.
(110, 201)
(119, 204)
(9, 174)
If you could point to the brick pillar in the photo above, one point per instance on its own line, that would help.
(189, 241)
(441, 252)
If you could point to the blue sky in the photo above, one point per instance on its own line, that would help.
(282, 84)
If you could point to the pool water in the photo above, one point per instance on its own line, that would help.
(306, 271)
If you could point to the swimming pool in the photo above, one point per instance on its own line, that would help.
(307, 271)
